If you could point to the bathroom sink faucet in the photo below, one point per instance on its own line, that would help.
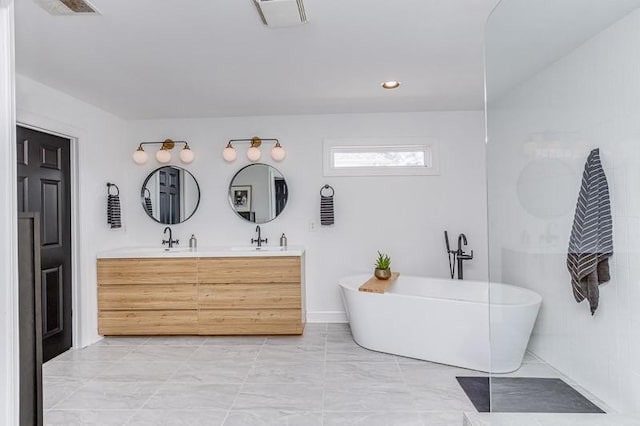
(170, 241)
(258, 240)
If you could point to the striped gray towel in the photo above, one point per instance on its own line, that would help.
(113, 211)
(326, 210)
(591, 241)
(326, 206)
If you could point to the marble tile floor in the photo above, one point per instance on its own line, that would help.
(321, 378)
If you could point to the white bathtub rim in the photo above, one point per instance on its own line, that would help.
(533, 294)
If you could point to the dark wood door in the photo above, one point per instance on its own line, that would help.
(44, 186)
(281, 194)
(169, 195)
(29, 301)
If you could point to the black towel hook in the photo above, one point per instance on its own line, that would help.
(327, 187)
(109, 185)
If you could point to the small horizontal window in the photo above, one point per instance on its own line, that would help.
(363, 157)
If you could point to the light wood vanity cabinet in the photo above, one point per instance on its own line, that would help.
(207, 296)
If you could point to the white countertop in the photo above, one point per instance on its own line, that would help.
(221, 251)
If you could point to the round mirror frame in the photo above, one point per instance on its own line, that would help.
(144, 186)
(231, 197)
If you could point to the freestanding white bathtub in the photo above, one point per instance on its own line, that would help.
(444, 321)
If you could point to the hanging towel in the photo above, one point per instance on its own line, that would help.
(113, 207)
(591, 241)
(147, 202)
(326, 206)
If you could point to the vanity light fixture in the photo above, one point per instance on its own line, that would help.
(186, 155)
(163, 155)
(277, 152)
(140, 157)
(391, 84)
(229, 153)
(253, 153)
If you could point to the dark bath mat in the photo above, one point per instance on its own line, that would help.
(525, 395)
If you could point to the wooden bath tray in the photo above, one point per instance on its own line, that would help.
(375, 285)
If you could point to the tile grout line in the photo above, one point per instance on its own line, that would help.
(145, 402)
(84, 381)
(406, 386)
(246, 378)
(154, 393)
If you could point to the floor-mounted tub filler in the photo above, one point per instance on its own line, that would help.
(444, 321)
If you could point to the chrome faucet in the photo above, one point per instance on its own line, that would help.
(170, 241)
(258, 240)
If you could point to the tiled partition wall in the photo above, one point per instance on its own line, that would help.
(540, 133)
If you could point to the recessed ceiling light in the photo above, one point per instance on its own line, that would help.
(391, 84)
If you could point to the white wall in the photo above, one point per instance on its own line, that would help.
(587, 99)
(404, 216)
(100, 137)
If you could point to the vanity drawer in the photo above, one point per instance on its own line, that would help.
(245, 270)
(249, 296)
(249, 321)
(148, 296)
(114, 323)
(147, 271)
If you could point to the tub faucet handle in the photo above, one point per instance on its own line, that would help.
(465, 256)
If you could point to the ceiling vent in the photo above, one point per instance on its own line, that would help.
(67, 7)
(281, 13)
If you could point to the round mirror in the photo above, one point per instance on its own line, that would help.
(258, 193)
(170, 195)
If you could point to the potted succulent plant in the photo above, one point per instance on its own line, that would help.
(383, 267)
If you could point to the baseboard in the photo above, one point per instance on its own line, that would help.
(327, 316)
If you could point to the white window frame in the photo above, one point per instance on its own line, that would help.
(333, 146)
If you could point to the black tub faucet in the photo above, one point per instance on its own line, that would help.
(458, 255)
(461, 255)
(462, 240)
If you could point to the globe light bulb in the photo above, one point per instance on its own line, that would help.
(186, 155)
(140, 157)
(229, 153)
(277, 152)
(163, 156)
(254, 153)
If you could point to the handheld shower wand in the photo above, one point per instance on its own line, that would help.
(452, 264)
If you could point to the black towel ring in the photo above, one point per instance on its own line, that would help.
(327, 187)
(146, 190)
(109, 185)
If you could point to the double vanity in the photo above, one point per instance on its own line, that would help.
(211, 291)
